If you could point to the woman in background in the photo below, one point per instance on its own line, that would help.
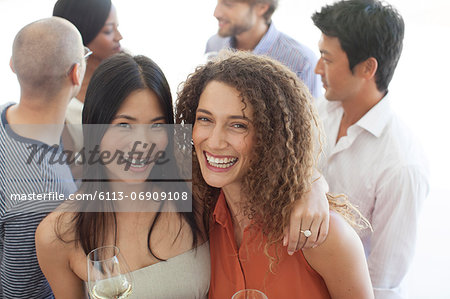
(254, 134)
(98, 24)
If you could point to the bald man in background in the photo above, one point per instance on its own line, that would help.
(48, 59)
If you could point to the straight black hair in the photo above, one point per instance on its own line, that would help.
(89, 16)
(112, 82)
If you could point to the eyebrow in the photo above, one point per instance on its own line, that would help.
(135, 119)
(231, 117)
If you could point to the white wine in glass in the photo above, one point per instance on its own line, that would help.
(109, 276)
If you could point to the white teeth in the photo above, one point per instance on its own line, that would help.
(138, 165)
(137, 162)
(221, 162)
(221, 165)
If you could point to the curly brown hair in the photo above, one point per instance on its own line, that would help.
(286, 133)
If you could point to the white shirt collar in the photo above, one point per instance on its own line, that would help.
(376, 119)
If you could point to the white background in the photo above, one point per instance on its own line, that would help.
(174, 32)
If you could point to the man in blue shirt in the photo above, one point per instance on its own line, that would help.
(247, 25)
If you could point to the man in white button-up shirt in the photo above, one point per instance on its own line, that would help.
(370, 155)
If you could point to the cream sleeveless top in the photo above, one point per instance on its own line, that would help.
(183, 276)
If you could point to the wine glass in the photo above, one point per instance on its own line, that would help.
(109, 276)
(249, 294)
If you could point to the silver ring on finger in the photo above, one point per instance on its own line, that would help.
(306, 232)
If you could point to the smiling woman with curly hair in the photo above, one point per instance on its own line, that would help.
(255, 134)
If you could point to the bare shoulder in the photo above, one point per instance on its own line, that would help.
(46, 230)
(56, 252)
(340, 234)
(51, 229)
(341, 262)
(342, 239)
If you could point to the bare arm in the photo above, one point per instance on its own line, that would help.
(310, 213)
(53, 257)
(341, 262)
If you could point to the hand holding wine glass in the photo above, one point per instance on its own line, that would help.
(109, 276)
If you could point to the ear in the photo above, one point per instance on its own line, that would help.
(75, 74)
(11, 65)
(261, 8)
(369, 68)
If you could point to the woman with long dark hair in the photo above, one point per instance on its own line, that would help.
(159, 241)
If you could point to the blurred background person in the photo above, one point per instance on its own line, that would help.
(247, 25)
(98, 24)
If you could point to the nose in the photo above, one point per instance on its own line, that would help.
(117, 35)
(139, 140)
(217, 138)
(319, 67)
(217, 11)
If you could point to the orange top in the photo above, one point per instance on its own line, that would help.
(234, 269)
